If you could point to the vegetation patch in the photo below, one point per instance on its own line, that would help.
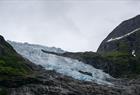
(125, 64)
(11, 63)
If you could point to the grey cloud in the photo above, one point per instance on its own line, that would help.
(75, 25)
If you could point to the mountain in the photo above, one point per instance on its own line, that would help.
(26, 78)
(68, 75)
(122, 47)
(124, 38)
(28, 69)
(19, 76)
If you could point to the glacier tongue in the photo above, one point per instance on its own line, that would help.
(63, 65)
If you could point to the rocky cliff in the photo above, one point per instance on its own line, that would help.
(122, 47)
(124, 38)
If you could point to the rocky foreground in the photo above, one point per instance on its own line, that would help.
(51, 83)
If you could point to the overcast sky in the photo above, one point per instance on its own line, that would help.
(73, 25)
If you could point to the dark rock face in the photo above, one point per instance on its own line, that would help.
(128, 43)
(1, 39)
(125, 45)
(1, 48)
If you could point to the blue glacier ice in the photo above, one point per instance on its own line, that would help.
(63, 65)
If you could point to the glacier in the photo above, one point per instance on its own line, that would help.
(121, 37)
(63, 65)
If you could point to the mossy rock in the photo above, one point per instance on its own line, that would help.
(11, 63)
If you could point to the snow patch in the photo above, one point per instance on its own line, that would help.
(133, 53)
(63, 65)
(126, 35)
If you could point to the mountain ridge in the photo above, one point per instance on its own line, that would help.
(124, 28)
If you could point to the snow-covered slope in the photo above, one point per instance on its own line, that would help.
(63, 65)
